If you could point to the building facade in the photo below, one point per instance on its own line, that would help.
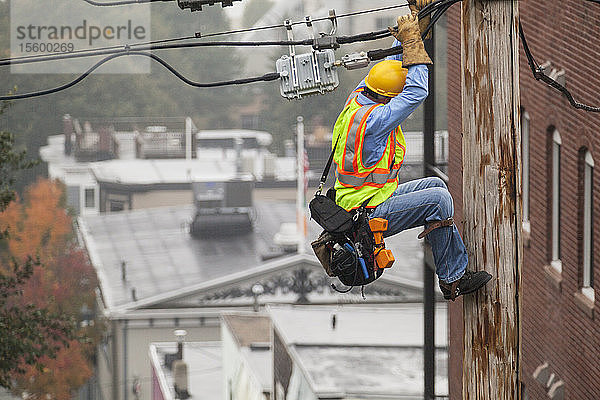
(560, 326)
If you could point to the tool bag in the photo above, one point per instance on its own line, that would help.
(328, 214)
(346, 247)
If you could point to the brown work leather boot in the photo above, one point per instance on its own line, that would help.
(469, 283)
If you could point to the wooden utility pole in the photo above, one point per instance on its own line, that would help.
(492, 196)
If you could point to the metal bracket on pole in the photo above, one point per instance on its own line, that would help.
(315, 65)
(333, 19)
(290, 35)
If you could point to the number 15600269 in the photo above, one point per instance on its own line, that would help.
(46, 47)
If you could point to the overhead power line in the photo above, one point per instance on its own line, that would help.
(303, 22)
(120, 3)
(112, 53)
(264, 78)
(141, 45)
(164, 46)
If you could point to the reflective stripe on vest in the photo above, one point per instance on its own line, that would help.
(358, 120)
(356, 182)
(372, 179)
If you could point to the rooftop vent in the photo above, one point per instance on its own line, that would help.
(180, 377)
(287, 238)
(222, 208)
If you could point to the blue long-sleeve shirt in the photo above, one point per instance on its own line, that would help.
(387, 117)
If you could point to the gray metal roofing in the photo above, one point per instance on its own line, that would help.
(160, 256)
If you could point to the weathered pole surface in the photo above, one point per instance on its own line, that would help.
(492, 196)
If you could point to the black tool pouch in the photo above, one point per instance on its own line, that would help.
(345, 248)
(329, 215)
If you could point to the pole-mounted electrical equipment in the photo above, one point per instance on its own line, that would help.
(196, 5)
(309, 73)
(316, 72)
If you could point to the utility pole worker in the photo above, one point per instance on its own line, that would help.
(369, 150)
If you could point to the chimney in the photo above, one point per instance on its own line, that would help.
(180, 334)
(180, 376)
(238, 144)
(123, 270)
(68, 132)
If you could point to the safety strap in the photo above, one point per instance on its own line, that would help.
(435, 225)
(327, 167)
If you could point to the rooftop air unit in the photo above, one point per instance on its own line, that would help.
(222, 208)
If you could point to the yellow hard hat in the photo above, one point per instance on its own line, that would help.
(387, 78)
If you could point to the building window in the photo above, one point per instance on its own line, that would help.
(116, 205)
(90, 198)
(588, 229)
(556, 143)
(525, 160)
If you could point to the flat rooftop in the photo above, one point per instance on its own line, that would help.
(205, 368)
(374, 353)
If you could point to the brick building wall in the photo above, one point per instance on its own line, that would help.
(558, 327)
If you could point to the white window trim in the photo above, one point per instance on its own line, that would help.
(557, 265)
(525, 131)
(589, 293)
(588, 202)
(556, 140)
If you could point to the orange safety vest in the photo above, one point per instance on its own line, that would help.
(355, 182)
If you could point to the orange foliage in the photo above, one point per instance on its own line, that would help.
(43, 226)
(63, 282)
(68, 370)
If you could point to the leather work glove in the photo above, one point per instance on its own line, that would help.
(416, 6)
(409, 36)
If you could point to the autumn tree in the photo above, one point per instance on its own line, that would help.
(27, 332)
(62, 282)
(45, 282)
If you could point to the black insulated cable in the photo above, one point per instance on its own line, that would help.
(13, 60)
(303, 22)
(264, 78)
(439, 6)
(363, 37)
(539, 75)
(120, 3)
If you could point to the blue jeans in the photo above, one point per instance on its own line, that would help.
(418, 202)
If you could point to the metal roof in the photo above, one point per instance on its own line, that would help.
(160, 255)
(144, 172)
(162, 262)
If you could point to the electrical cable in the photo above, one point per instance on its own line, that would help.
(380, 54)
(123, 50)
(266, 77)
(141, 46)
(539, 75)
(120, 3)
(115, 47)
(260, 28)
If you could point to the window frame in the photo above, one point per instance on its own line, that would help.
(86, 190)
(525, 135)
(587, 267)
(556, 198)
